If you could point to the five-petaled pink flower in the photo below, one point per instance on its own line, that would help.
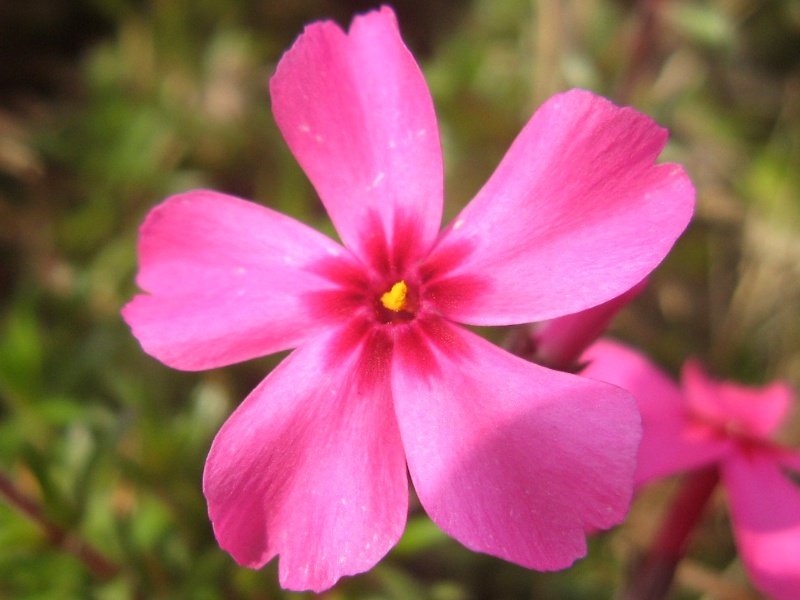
(507, 457)
(707, 422)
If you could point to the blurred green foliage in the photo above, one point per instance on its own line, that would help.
(108, 106)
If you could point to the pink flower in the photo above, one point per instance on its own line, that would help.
(507, 457)
(707, 422)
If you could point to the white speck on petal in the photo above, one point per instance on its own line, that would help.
(458, 224)
(319, 138)
(376, 181)
(288, 260)
(305, 128)
(241, 270)
(421, 132)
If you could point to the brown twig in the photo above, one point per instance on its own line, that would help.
(641, 51)
(99, 565)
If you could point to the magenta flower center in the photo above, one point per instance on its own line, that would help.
(396, 299)
(397, 302)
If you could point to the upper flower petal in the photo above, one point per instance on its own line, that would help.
(765, 514)
(508, 457)
(671, 442)
(311, 466)
(356, 112)
(753, 411)
(226, 281)
(576, 213)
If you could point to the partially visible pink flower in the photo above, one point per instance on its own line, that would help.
(508, 457)
(707, 422)
(559, 343)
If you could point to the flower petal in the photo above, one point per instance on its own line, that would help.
(508, 457)
(356, 112)
(311, 466)
(790, 460)
(754, 411)
(575, 214)
(226, 281)
(671, 442)
(765, 515)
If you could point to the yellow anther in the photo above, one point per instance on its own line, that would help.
(395, 298)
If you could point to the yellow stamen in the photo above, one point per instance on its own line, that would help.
(395, 298)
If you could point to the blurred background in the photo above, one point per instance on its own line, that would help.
(108, 106)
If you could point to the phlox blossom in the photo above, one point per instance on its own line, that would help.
(509, 458)
(706, 422)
